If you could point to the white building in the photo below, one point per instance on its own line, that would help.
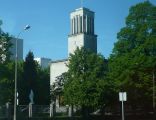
(82, 30)
(19, 49)
(81, 34)
(57, 68)
(43, 62)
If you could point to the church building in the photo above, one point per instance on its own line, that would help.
(81, 35)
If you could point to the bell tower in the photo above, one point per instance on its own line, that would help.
(82, 31)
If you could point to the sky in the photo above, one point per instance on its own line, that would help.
(50, 23)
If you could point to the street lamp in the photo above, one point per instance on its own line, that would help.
(153, 77)
(16, 58)
(154, 93)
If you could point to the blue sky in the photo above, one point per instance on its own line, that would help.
(50, 23)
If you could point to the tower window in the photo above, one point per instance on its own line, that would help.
(80, 24)
(84, 24)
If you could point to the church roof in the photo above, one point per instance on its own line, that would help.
(62, 60)
(84, 9)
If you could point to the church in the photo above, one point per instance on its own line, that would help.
(81, 35)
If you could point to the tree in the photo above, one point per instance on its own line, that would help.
(134, 59)
(85, 80)
(6, 68)
(36, 79)
(7, 83)
(57, 88)
(5, 45)
(43, 86)
(30, 79)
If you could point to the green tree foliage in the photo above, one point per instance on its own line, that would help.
(57, 88)
(6, 83)
(5, 45)
(6, 68)
(30, 77)
(85, 80)
(43, 86)
(36, 79)
(134, 55)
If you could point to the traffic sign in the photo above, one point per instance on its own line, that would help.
(122, 96)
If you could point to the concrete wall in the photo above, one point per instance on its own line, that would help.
(56, 69)
(82, 40)
(75, 41)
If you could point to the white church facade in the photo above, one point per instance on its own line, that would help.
(81, 35)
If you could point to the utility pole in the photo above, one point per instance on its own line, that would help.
(154, 111)
(16, 58)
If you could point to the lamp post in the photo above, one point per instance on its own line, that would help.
(154, 103)
(16, 58)
(154, 91)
